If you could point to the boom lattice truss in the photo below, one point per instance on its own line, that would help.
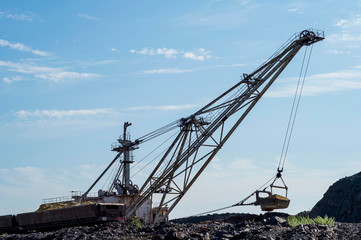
(202, 134)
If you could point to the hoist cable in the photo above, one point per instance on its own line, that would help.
(155, 156)
(159, 131)
(153, 151)
(291, 113)
(294, 109)
(298, 103)
(241, 203)
(212, 211)
(112, 173)
(287, 140)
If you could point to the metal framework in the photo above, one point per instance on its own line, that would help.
(202, 134)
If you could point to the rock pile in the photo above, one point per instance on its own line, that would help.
(341, 201)
(268, 226)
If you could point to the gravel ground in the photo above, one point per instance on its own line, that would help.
(265, 227)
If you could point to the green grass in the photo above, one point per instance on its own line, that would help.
(134, 222)
(4, 235)
(294, 221)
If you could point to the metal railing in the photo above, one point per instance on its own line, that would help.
(73, 195)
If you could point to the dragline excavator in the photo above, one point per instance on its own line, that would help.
(194, 141)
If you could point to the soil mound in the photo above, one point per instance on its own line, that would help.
(341, 201)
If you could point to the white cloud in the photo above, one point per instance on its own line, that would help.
(333, 82)
(199, 55)
(81, 113)
(168, 71)
(17, 16)
(59, 114)
(47, 73)
(26, 68)
(12, 79)
(167, 52)
(163, 108)
(114, 50)
(293, 10)
(344, 37)
(191, 55)
(61, 76)
(341, 23)
(338, 52)
(349, 23)
(87, 17)
(349, 35)
(22, 47)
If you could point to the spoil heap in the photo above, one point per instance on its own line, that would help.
(341, 201)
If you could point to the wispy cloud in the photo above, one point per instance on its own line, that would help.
(344, 37)
(293, 10)
(333, 82)
(354, 22)
(199, 54)
(87, 17)
(22, 47)
(167, 52)
(341, 23)
(82, 113)
(338, 52)
(347, 38)
(163, 108)
(41, 72)
(168, 71)
(17, 16)
(12, 79)
(61, 76)
(59, 114)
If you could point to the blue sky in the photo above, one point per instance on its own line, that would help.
(73, 71)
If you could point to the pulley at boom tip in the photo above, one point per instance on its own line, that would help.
(310, 36)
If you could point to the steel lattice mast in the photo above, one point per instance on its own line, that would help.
(204, 133)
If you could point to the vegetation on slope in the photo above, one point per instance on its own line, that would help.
(294, 221)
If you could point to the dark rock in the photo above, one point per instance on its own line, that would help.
(342, 200)
(269, 229)
(197, 235)
(175, 235)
